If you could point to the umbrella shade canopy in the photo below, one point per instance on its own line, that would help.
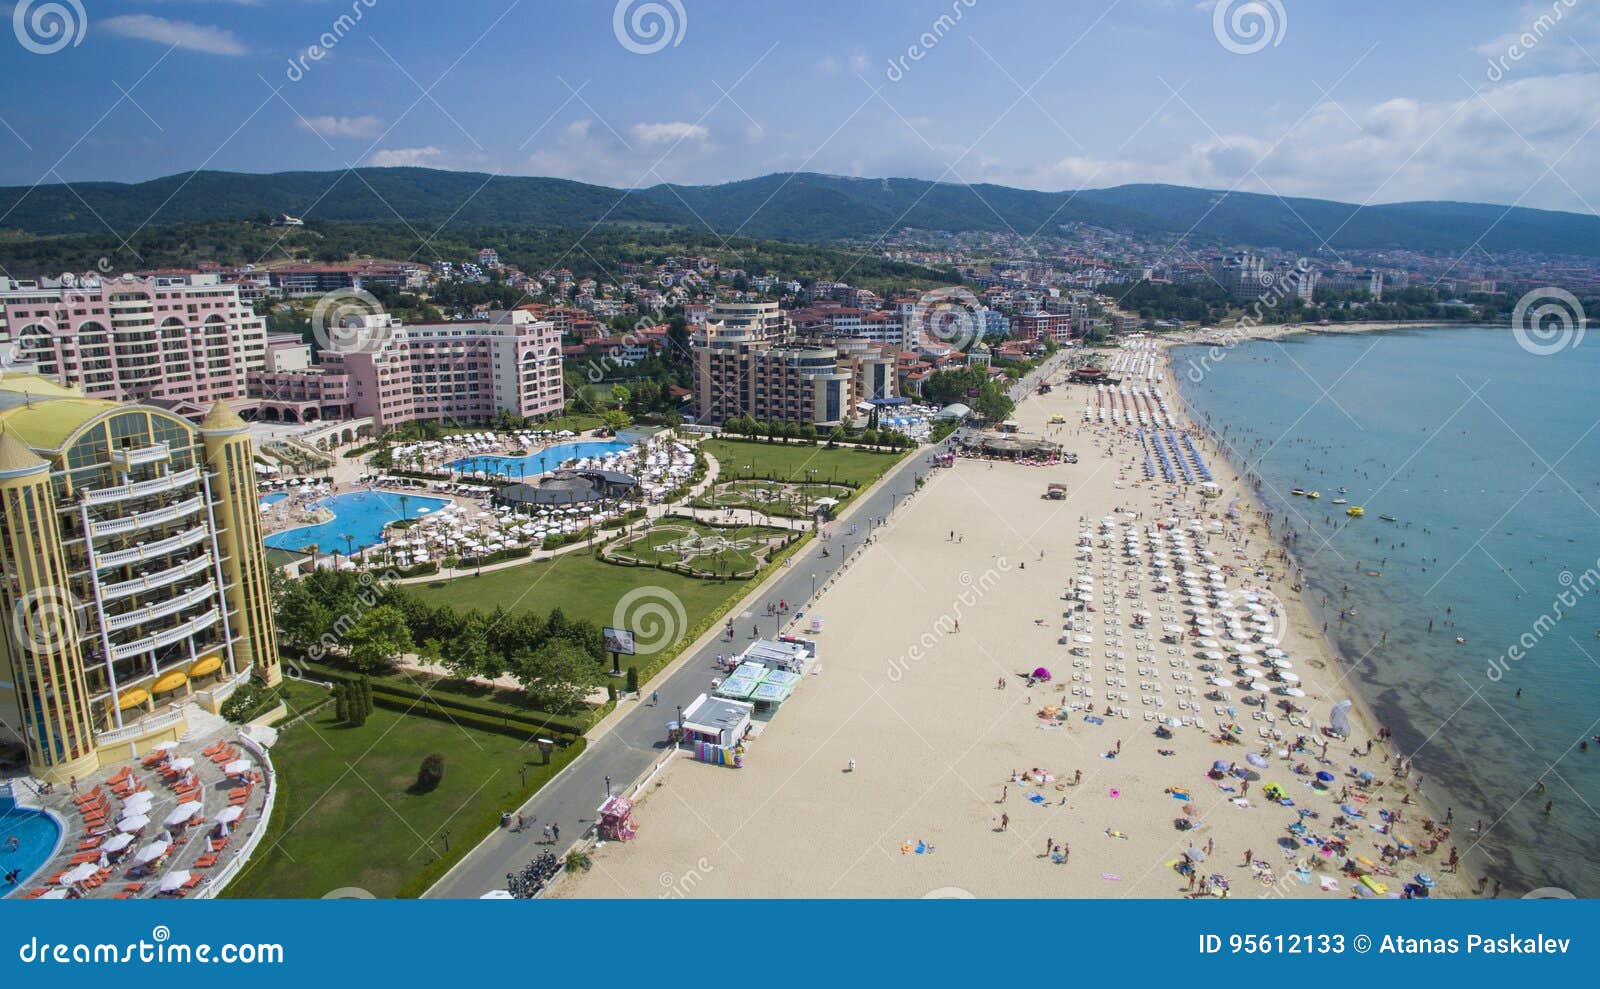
(1289, 677)
(1256, 759)
(137, 804)
(238, 766)
(182, 813)
(1221, 765)
(151, 852)
(1195, 854)
(228, 815)
(1260, 685)
(1081, 637)
(79, 873)
(167, 746)
(1294, 692)
(55, 894)
(131, 824)
(183, 765)
(1325, 776)
(1040, 673)
(117, 842)
(174, 880)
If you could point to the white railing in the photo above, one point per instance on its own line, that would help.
(165, 608)
(221, 878)
(140, 489)
(143, 726)
(133, 456)
(137, 554)
(145, 520)
(151, 643)
(114, 592)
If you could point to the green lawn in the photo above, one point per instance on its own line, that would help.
(795, 463)
(346, 816)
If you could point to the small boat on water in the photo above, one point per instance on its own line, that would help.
(1355, 511)
(1388, 518)
(1314, 494)
(1343, 489)
(1297, 491)
(1341, 501)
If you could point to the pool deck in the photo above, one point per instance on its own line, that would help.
(96, 820)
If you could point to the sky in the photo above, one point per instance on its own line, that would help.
(1358, 101)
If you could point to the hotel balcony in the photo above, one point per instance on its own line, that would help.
(159, 640)
(152, 612)
(141, 489)
(147, 520)
(150, 551)
(150, 582)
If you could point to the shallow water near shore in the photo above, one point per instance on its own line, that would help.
(1488, 458)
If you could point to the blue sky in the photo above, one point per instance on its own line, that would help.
(1359, 101)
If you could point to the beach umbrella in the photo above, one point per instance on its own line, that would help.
(151, 852)
(174, 880)
(1260, 685)
(1040, 673)
(1195, 854)
(129, 825)
(1288, 677)
(166, 746)
(118, 842)
(1294, 692)
(59, 893)
(79, 873)
(1084, 638)
(1221, 765)
(1219, 682)
(1274, 653)
(181, 813)
(1324, 776)
(1351, 811)
(1365, 776)
(238, 766)
(1212, 655)
(182, 765)
(1256, 759)
(228, 815)
(1248, 774)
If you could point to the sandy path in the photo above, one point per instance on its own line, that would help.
(916, 704)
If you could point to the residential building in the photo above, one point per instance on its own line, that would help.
(132, 566)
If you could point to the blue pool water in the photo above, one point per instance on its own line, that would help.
(37, 834)
(538, 463)
(358, 514)
(1488, 458)
(273, 498)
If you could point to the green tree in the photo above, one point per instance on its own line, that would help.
(558, 676)
(378, 638)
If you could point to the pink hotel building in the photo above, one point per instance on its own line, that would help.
(180, 340)
(394, 373)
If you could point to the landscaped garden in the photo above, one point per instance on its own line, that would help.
(781, 498)
(701, 548)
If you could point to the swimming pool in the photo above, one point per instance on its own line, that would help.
(361, 515)
(273, 497)
(37, 835)
(538, 463)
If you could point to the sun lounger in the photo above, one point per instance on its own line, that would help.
(206, 861)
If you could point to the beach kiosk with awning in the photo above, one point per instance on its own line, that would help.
(789, 653)
(714, 727)
(615, 819)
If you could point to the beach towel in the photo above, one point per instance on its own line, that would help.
(1035, 798)
(1093, 720)
(1181, 795)
(1330, 884)
(1111, 877)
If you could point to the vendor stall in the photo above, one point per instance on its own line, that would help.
(615, 818)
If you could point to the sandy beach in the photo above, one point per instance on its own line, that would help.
(968, 780)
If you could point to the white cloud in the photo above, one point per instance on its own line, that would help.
(181, 34)
(329, 126)
(670, 131)
(403, 157)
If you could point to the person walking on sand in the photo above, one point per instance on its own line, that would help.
(1005, 821)
(1248, 855)
(1003, 790)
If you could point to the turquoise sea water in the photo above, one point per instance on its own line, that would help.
(1488, 457)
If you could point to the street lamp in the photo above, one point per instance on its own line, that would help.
(813, 586)
(608, 788)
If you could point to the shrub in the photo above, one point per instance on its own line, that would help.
(431, 773)
(633, 679)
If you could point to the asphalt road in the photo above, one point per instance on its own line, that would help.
(638, 740)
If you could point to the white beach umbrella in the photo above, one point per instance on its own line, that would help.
(79, 873)
(118, 842)
(174, 880)
(151, 852)
(181, 813)
(228, 815)
(132, 824)
(238, 766)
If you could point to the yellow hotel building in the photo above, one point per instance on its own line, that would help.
(132, 576)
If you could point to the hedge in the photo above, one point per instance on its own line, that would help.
(499, 724)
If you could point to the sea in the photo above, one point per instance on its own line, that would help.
(1486, 456)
